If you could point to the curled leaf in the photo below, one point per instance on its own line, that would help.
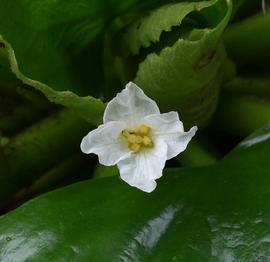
(174, 53)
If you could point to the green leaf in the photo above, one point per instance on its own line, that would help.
(89, 108)
(216, 213)
(49, 37)
(174, 54)
(53, 40)
(55, 46)
(147, 30)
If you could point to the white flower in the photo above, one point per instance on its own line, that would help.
(137, 137)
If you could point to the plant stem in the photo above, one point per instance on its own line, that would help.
(32, 152)
(36, 99)
(248, 41)
(69, 167)
(20, 117)
(241, 115)
(17, 112)
(258, 86)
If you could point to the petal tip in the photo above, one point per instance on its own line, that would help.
(84, 146)
(132, 87)
(193, 130)
(130, 84)
(148, 187)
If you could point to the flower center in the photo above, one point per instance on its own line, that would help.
(139, 138)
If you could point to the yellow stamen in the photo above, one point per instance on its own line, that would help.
(134, 139)
(143, 130)
(139, 138)
(135, 147)
(146, 141)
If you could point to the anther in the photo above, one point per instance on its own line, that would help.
(146, 141)
(139, 138)
(143, 130)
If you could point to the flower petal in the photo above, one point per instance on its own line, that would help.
(105, 142)
(141, 169)
(170, 129)
(130, 105)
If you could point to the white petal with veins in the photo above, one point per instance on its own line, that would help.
(104, 141)
(141, 169)
(169, 128)
(131, 105)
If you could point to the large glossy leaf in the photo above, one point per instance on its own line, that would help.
(217, 213)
